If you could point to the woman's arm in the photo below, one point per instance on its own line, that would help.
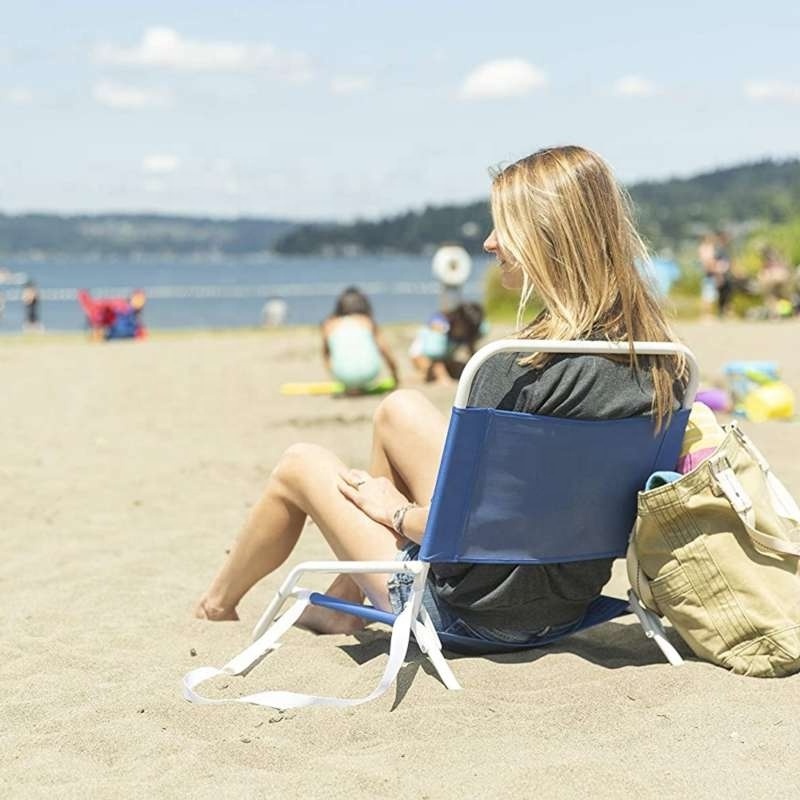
(414, 523)
(386, 353)
(326, 351)
(380, 499)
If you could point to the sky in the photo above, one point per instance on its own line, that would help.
(336, 110)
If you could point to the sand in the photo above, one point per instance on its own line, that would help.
(126, 470)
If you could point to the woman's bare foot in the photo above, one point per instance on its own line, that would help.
(207, 610)
(325, 620)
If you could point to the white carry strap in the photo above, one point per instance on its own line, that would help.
(269, 640)
(740, 502)
(784, 504)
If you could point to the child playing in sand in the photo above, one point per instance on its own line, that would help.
(443, 346)
(352, 344)
(431, 348)
(467, 327)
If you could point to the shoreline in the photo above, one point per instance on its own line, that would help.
(164, 334)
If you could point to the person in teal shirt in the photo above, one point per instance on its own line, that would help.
(353, 346)
(443, 346)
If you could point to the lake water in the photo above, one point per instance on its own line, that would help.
(232, 293)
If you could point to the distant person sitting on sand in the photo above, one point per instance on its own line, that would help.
(431, 349)
(353, 346)
(562, 230)
(467, 327)
(30, 300)
(114, 317)
(442, 347)
(273, 312)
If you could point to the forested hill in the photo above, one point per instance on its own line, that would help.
(136, 234)
(669, 212)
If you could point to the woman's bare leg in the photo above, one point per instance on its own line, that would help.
(407, 443)
(265, 542)
(304, 483)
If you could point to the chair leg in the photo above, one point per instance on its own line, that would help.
(653, 629)
(425, 633)
(428, 641)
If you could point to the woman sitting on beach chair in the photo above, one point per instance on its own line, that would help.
(562, 230)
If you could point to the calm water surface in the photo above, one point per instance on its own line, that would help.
(232, 293)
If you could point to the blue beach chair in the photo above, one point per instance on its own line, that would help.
(512, 488)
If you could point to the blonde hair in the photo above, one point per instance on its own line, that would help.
(565, 223)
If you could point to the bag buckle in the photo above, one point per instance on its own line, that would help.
(728, 485)
(717, 465)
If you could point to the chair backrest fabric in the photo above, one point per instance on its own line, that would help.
(521, 488)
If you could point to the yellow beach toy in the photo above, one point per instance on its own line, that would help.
(773, 400)
(335, 387)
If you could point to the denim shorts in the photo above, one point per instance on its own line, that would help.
(445, 619)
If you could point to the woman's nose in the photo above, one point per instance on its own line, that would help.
(490, 245)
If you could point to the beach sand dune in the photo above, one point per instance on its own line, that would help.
(125, 472)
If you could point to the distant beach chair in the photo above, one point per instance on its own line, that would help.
(512, 488)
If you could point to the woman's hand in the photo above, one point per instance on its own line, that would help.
(376, 497)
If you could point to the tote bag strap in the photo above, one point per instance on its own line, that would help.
(784, 504)
(730, 485)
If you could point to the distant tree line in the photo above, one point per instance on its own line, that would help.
(135, 234)
(668, 213)
(411, 232)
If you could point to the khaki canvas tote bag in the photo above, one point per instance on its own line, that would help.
(718, 553)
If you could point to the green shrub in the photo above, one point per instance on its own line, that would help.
(785, 238)
(500, 303)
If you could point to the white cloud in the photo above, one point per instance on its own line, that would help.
(505, 77)
(772, 90)
(115, 95)
(165, 48)
(160, 163)
(18, 96)
(351, 84)
(635, 86)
